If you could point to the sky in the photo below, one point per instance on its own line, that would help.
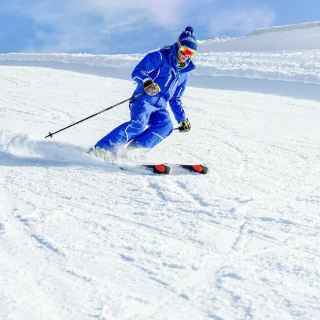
(136, 26)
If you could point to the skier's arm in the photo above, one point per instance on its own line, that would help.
(148, 64)
(176, 103)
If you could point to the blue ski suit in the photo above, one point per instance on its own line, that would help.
(150, 120)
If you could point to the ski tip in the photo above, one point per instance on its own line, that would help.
(158, 168)
(199, 168)
(161, 169)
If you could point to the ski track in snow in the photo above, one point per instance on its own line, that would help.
(81, 239)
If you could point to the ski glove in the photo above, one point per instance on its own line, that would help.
(184, 126)
(151, 88)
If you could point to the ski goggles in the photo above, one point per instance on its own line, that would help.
(186, 51)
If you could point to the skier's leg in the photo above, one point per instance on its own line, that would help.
(160, 126)
(140, 112)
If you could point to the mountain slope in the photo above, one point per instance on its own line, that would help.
(82, 240)
(297, 37)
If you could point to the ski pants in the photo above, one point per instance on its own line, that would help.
(150, 123)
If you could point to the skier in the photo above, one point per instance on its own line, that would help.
(161, 77)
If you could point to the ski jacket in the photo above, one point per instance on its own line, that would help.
(160, 66)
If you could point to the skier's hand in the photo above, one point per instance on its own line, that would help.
(151, 88)
(184, 126)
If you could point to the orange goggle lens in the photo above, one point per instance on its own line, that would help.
(187, 51)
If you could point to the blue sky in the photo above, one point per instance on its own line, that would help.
(130, 26)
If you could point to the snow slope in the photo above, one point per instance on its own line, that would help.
(303, 36)
(81, 239)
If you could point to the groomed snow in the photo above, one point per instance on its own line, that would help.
(81, 239)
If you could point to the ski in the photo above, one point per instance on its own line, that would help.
(158, 168)
(198, 168)
(167, 168)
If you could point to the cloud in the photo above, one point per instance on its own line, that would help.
(242, 20)
(109, 25)
(165, 13)
(89, 24)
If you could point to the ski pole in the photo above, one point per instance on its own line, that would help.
(93, 115)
